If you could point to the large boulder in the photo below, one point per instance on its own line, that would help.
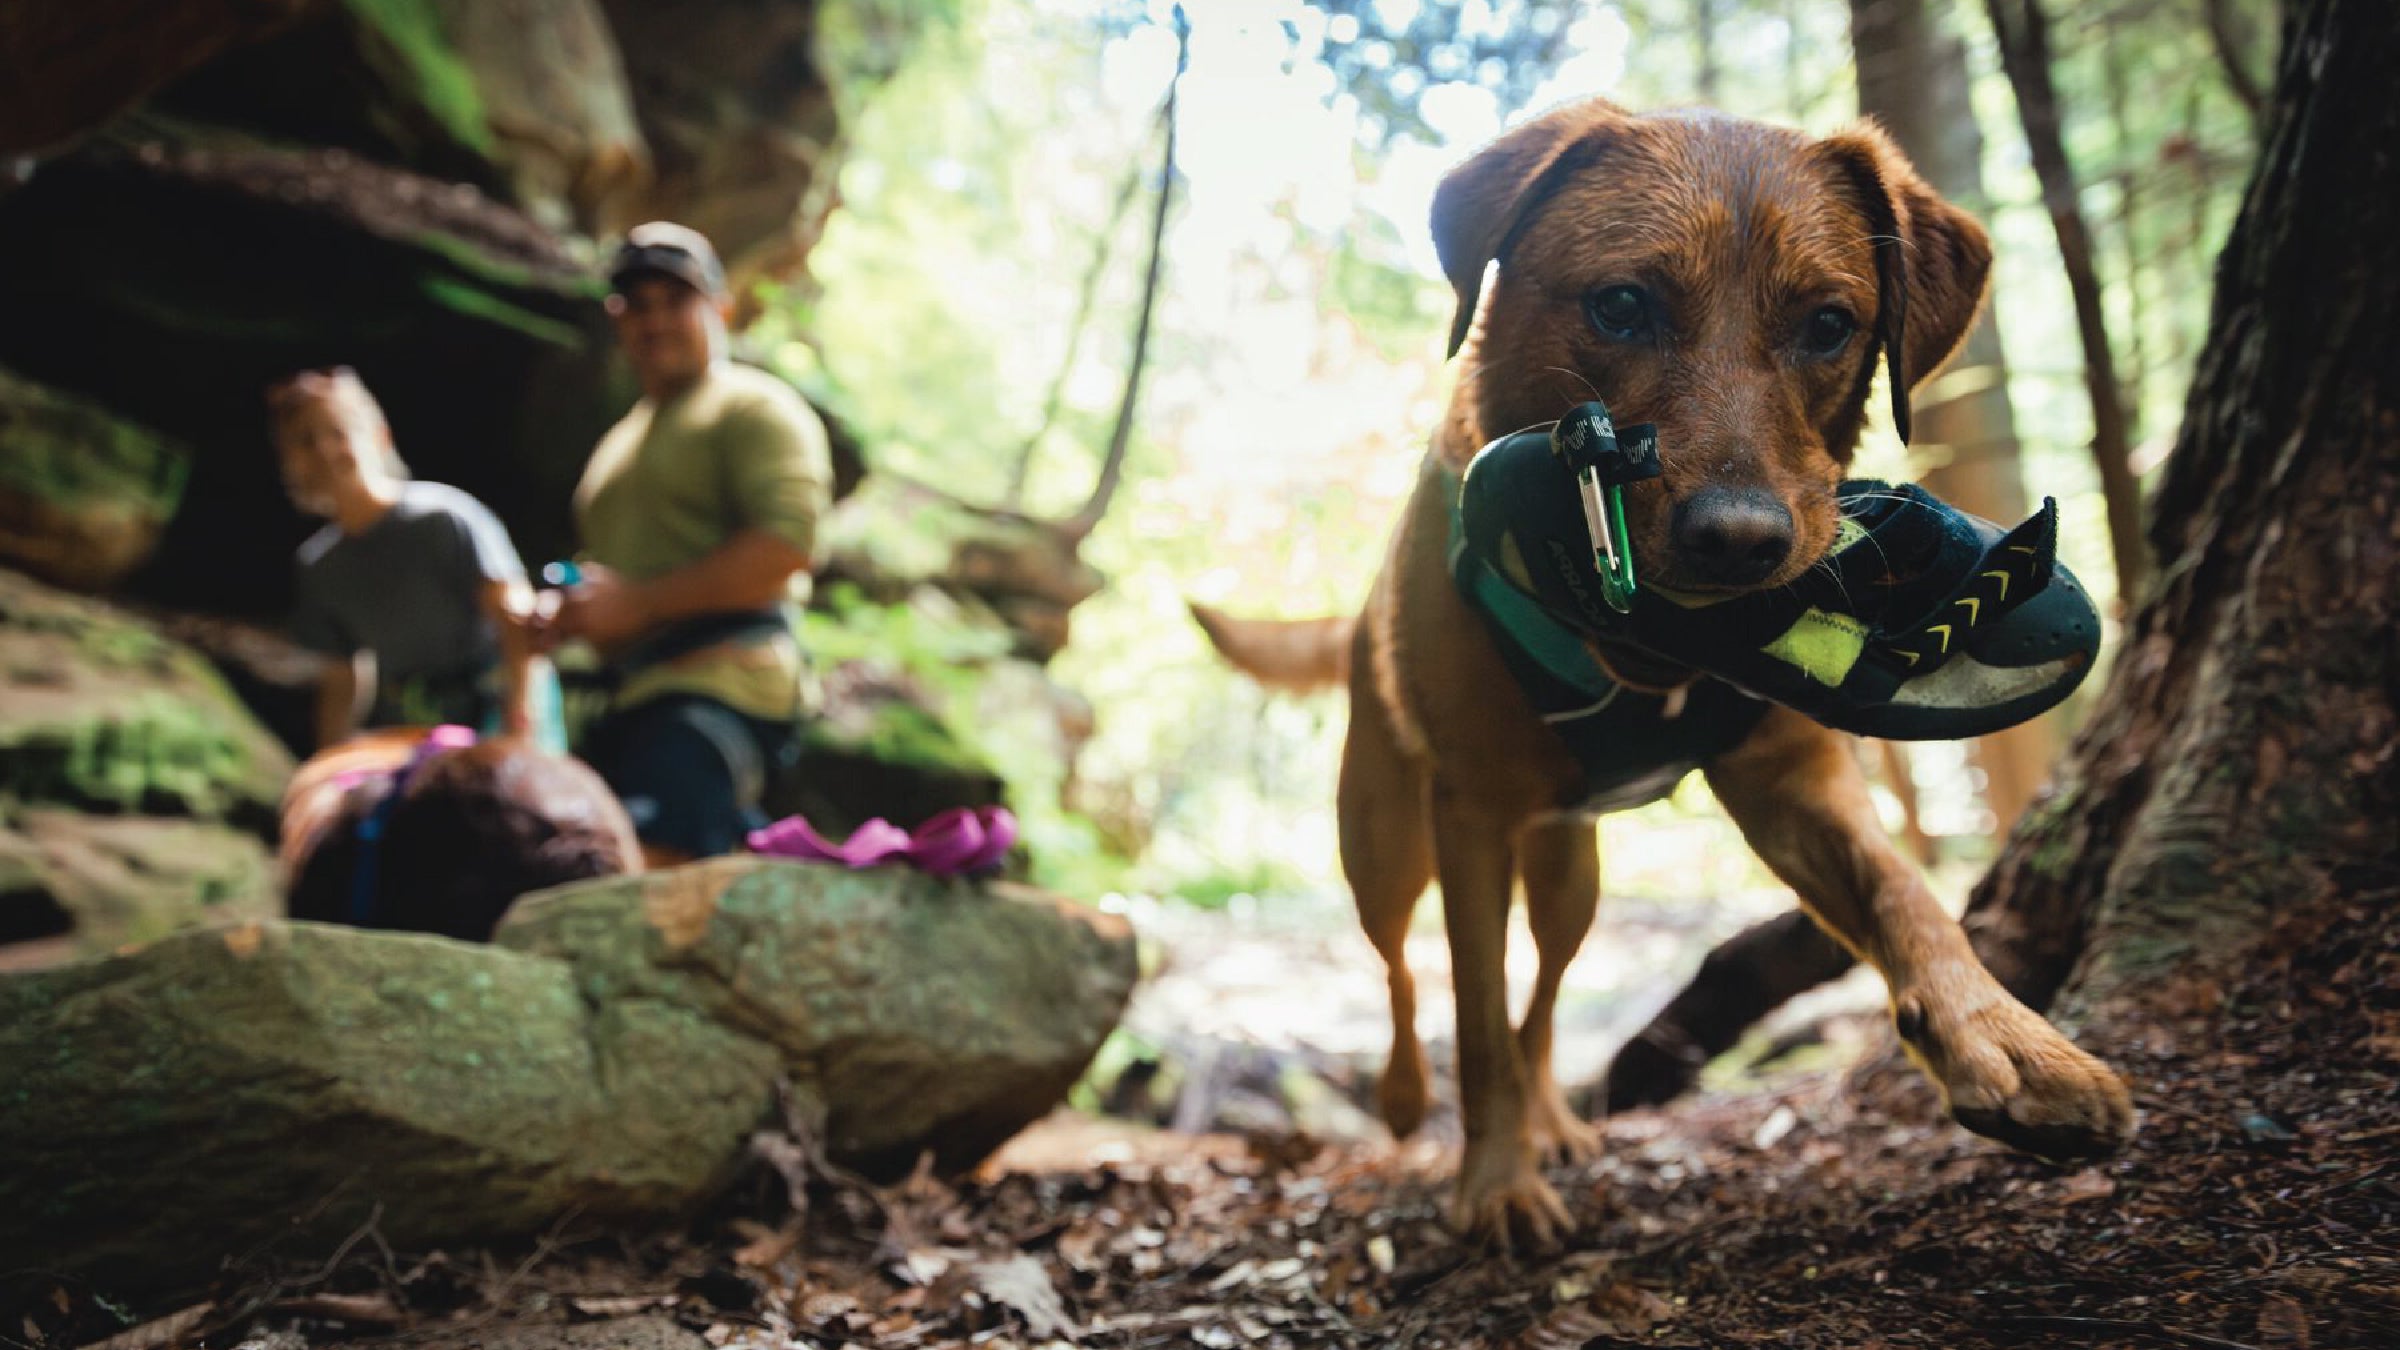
(926, 1014)
(223, 1089)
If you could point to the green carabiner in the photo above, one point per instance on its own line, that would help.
(1605, 460)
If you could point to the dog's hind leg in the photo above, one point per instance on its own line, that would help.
(1387, 854)
(1748, 976)
(1558, 860)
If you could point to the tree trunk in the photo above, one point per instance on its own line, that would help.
(2024, 34)
(2242, 759)
(1710, 76)
(1912, 77)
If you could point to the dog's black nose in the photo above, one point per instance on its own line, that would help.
(1732, 536)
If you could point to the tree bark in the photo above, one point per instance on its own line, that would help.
(2024, 35)
(2242, 758)
(1912, 77)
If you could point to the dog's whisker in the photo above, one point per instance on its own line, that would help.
(1578, 377)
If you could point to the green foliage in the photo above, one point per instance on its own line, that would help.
(942, 649)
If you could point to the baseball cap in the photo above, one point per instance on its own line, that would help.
(663, 248)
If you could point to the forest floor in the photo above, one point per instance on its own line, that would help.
(2260, 1207)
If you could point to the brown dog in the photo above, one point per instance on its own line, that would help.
(1732, 283)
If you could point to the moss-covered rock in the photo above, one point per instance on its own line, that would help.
(110, 880)
(926, 1014)
(83, 492)
(229, 1088)
(98, 711)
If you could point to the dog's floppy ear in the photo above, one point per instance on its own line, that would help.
(1481, 201)
(1931, 260)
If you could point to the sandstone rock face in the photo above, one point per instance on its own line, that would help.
(555, 105)
(83, 492)
(231, 263)
(64, 68)
(740, 119)
(925, 1013)
(223, 1089)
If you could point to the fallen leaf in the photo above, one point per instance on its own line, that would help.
(1020, 1282)
(2282, 1324)
(2089, 1184)
(158, 1332)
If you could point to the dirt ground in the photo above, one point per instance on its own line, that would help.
(2260, 1208)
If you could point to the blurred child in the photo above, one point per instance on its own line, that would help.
(412, 590)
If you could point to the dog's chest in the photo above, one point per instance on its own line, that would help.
(1631, 752)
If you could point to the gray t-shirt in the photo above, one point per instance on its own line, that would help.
(408, 587)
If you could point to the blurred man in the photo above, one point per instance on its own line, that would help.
(696, 512)
(412, 590)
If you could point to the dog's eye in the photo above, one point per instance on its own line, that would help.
(1621, 313)
(1826, 332)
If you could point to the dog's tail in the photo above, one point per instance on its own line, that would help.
(1293, 654)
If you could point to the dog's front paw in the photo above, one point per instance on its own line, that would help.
(1503, 1202)
(2009, 1075)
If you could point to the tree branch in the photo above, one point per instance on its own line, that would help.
(1079, 526)
(2228, 43)
(1084, 302)
(2024, 38)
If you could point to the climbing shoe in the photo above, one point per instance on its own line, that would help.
(1921, 622)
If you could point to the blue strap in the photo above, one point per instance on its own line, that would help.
(364, 869)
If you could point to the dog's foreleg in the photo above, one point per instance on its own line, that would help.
(1501, 1196)
(1559, 863)
(1795, 790)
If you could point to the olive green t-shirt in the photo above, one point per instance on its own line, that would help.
(670, 483)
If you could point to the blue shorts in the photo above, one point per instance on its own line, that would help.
(690, 770)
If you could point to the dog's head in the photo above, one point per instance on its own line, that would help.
(1733, 283)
